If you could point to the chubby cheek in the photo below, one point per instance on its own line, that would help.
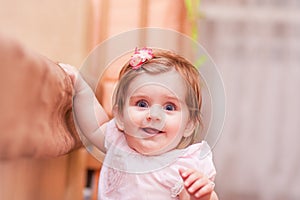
(175, 130)
(178, 124)
(135, 117)
(173, 125)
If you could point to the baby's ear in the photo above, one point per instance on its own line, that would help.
(189, 129)
(118, 118)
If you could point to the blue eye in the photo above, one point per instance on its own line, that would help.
(170, 107)
(142, 104)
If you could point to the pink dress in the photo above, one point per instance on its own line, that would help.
(126, 174)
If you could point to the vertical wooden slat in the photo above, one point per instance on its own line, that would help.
(98, 22)
(144, 8)
(144, 12)
(99, 26)
(76, 172)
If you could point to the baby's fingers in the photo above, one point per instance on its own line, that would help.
(190, 176)
(195, 184)
(186, 173)
(70, 70)
(205, 190)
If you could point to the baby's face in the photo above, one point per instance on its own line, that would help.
(155, 116)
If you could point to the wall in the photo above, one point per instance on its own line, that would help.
(256, 47)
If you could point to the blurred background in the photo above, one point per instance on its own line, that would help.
(254, 43)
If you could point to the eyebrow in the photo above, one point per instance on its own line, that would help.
(133, 98)
(173, 98)
(139, 97)
(167, 97)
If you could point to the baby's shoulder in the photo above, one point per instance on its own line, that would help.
(198, 150)
(112, 134)
(199, 157)
(109, 126)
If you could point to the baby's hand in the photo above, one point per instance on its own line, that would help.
(74, 75)
(70, 70)
(197, 184)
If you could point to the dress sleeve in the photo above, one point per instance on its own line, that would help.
(205, 160)
(111, 134)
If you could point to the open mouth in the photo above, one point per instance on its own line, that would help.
(152, 131)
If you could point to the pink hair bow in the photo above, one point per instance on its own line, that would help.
(140, 56)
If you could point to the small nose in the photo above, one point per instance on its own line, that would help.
(155, 113)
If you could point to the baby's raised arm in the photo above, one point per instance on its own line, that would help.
(90, 117)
